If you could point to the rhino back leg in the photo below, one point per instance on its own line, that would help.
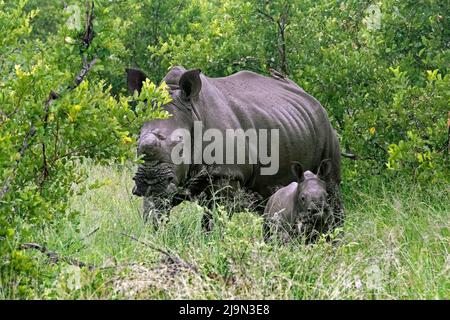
(232, 195)
(219, 191)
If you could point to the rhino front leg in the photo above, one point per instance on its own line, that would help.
(275, 226)
(267, 230)
(153, 210)
(271, 231)
(149, 212)
(207, 220)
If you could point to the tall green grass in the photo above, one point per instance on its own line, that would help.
(395, 245)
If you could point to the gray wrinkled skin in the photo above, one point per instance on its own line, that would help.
(301, 208)
(153, 178)
(241, 101)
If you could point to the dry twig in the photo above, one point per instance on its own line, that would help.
(54, 257)
(172, 258)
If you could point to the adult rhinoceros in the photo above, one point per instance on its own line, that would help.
(244, 100)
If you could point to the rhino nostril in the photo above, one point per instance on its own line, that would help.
(136, 192)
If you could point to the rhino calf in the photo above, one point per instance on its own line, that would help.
(301, 208)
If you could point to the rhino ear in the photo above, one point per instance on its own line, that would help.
(135, 77)
(190, 84)
(297, 171)
(324, 169)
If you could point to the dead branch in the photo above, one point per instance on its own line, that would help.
(90, 234)
(349, 155)
(281, 24)
(266, 15)
(83, 72)
(172, 258)
(45, 171)
(89, 27)
(68, 245)
(356, 157)
(55, 257)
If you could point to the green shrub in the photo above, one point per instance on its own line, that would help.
(49, 124)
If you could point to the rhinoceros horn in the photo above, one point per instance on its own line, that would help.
(148, 144)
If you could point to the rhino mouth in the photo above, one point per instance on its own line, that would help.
(314, 222)
(154, 178)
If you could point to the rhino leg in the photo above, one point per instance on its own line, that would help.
(267, 231)
(282, 235)
(153, 210)
(147, 206)
(207, 220)
(217, 192)
(222, 191)
(149, 211)
(275, 227)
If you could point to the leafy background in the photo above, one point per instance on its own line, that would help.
(381, 69)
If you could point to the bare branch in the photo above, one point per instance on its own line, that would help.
(86, 67)
(268, 16)
(89, 28)
(350, 156)
(171, 257)
(55, 257)
(281, 24)
(71, 243)
(90, 234)
(45, 171)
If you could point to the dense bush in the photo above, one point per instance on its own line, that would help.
(52, 117)
(380, 69)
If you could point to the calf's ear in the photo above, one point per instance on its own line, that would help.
(297, 171)
(135, 77)
(190, 84)
(324, 169)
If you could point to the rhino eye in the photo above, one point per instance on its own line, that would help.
(161, 136)
(303, 198)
